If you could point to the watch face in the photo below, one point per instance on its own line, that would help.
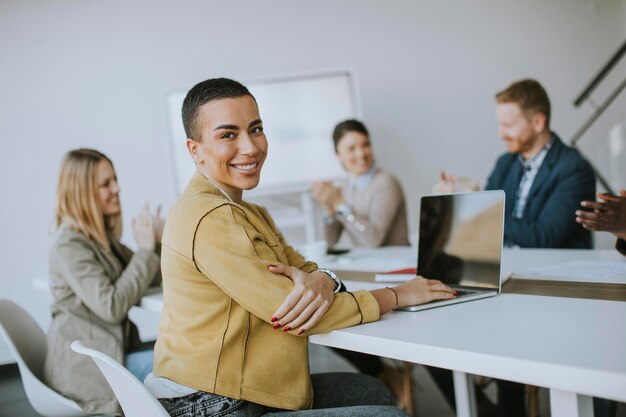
(329, 273)
(334, 277)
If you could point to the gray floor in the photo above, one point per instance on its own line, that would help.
(13, 401)
(428, 400)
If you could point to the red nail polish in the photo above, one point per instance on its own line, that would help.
(286, 328)
(274, 319)
(277, 325)
(300, 332)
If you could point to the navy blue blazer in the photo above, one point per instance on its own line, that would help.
(549, 220)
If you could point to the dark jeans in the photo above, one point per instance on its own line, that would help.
(335, 394)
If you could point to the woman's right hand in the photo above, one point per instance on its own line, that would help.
(143, 229)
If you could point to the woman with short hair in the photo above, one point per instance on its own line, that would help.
(238, 301)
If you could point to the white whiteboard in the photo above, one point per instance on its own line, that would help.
(298, 113)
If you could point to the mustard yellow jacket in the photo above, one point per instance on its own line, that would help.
(215, 333)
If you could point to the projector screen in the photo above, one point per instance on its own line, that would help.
(299, 114)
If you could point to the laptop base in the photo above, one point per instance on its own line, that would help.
(441, 303)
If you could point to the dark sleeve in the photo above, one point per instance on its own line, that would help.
(620, 245)
(494, 181)
(556, 223)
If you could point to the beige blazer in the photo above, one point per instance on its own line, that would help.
(93, 291)
(378, 214)
(215, 333)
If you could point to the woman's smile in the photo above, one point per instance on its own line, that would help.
(247, 168)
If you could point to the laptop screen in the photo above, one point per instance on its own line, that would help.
(460, 238)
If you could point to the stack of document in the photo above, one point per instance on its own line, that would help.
(398, 275)
(579, 271)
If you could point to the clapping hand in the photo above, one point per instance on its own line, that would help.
(143, 229)
(451, 184)
(608, 215)
(326, 194)
(158, 223)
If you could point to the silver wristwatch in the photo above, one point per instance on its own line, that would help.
(334, 277)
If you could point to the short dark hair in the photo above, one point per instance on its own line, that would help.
(350, 125)
(529, 95)
(204, 92)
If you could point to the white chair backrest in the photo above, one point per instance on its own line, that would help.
(133, 396)
(28, 344)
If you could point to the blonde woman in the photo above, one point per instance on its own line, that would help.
(95, 280)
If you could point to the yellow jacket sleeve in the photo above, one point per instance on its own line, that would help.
(235, 255)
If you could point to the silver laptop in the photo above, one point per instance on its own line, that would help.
(460, 244)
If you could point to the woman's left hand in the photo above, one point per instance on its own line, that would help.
(307, 303)
(320, 191)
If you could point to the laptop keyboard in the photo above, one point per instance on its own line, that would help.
(465, 292)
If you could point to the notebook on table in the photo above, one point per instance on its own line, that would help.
(397, 275)
(460, 244)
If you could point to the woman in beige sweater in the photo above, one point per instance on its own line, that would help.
(238, 301)
(369, 205)
(95, 280)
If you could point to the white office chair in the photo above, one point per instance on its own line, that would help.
(28, 344)
(133, 396)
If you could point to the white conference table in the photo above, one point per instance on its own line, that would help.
(513, 260)
(574, 347)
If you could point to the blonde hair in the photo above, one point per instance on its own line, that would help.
(77, 198)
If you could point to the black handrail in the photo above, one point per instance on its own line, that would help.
(600, 76)
(588, 124)
(597, 113)
(587, 92)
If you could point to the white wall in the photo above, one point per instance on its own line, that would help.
(92, 73)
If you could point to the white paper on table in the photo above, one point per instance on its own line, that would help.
(386, 277)
(578, 271)
(377, 260)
